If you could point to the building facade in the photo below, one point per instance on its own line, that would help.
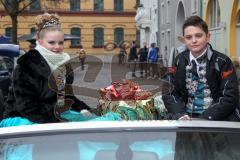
(172, 14)
(147, 21)
(97, 22)
(223, 19)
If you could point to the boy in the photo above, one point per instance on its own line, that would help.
(204, 80)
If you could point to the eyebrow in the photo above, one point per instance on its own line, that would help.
(55, 41)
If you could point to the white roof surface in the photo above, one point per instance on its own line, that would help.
(116, 125)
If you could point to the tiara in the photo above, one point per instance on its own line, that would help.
(47, 20)
(52, 22)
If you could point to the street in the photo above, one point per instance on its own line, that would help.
(100, 71)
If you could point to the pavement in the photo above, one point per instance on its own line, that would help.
(100, 71)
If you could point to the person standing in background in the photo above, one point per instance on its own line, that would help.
(152, 61)
(132, 59)
(82, 56)
(143, 53)
(122, 55)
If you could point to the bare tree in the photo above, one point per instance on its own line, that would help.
(13, 9)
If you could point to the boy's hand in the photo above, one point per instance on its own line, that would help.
(185, 117)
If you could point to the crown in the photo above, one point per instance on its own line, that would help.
(52, 22)
(47, 20)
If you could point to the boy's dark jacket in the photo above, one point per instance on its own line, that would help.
(31, 96)
(222, 80)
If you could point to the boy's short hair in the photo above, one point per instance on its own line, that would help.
(195, 21)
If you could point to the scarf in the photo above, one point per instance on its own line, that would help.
(54, 60)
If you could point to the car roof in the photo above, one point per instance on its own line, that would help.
(117, 126)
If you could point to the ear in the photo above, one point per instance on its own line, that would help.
(40, 41)
(208, 36)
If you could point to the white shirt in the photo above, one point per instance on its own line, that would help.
(191, 57)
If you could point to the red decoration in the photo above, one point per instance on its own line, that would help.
(123, 90)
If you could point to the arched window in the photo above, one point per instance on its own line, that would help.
(238, 18)
(118, 5)
(74, 5)
(118, 35)
(33, 30)
(8, 31)
(76, 32)
(214, 14)
(98, 5)
(36, 6)
(98, 37)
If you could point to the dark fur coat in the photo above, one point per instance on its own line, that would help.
(31, 96)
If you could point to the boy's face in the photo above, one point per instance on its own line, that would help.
(195, 39)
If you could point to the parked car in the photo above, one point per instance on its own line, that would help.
(8, 55)
(122, 140)
(6, 67)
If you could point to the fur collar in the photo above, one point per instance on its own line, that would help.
(34, 62)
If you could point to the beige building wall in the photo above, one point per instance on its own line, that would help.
(86, 19)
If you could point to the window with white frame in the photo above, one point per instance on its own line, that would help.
(194, 6)
(33, 30)
(118, 35)
(8, 31)
(98, 5)
(214, 17)
(168, 11)
(74, 5)
(238, 18)
(163, 13)
(118, 5)
(76, 32)
(98, 37)
(35, 6)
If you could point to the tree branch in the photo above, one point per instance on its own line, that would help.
(26, 5)
(5, 5)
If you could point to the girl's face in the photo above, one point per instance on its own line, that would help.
(53, 41)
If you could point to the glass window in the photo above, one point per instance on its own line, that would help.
(214, 14)
(75, 5)
(134, 145)
(118, 35)
(98, 37)
(118, 5)
(8, 31)
(76, 32)
(98, 5)
(138, 3)
(33, 30)
(238, 18)
(167, 11)
(35, 5)
(138, 38)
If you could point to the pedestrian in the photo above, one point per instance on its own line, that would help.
(204, 80)
(39, 79)
(133, 58)
(122, 54)
(143, 53)
(152, 61)
(82, 56)
(182, 47)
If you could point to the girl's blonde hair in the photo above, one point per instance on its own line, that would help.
(47, 22)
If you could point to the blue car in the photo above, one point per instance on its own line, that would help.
(8, 53)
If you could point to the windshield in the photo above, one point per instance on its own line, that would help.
(124, 145)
